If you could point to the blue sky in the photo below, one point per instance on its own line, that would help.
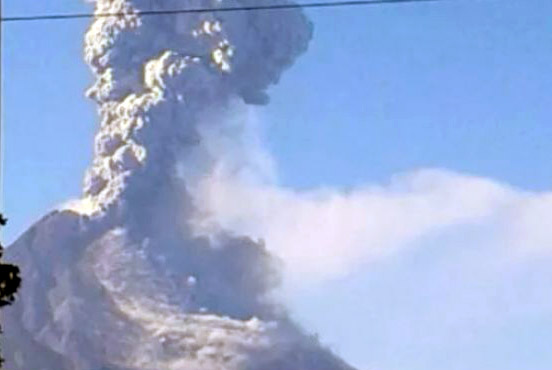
(460, 85)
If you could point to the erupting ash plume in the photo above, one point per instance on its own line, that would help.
(157, 77)
(119, 279)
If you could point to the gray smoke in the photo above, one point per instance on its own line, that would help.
(119, 280)
(158, 76)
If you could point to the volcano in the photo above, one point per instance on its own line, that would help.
(119, 279)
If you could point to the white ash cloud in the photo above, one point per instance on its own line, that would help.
(327, 233)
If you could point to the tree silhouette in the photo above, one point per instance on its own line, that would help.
(9, 280)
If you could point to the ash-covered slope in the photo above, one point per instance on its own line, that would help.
(95, 298)
(119, 280)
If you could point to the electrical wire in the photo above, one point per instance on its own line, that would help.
(334, 4)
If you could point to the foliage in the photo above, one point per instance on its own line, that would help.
(9, 280)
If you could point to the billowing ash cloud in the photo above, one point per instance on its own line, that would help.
(119, 280)
(157, 77)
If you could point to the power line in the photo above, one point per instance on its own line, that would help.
(53, 17)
